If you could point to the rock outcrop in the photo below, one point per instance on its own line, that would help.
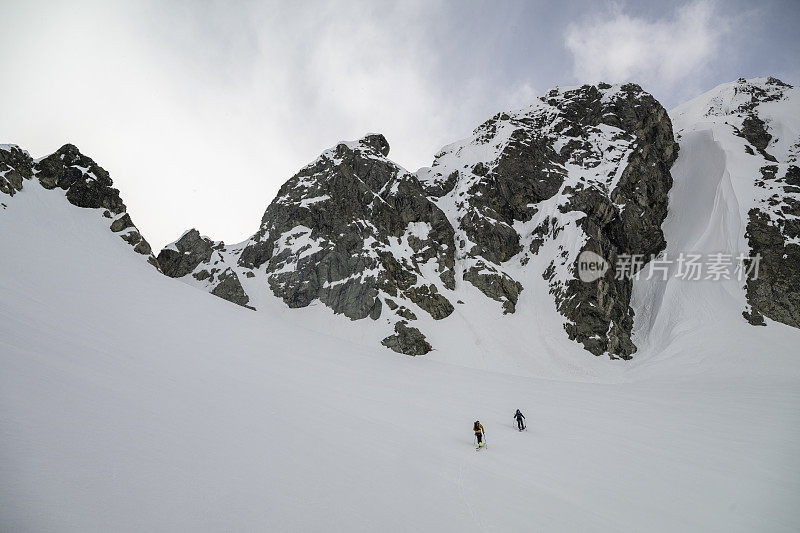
(15, 167)
(204, 259)
(407, 340)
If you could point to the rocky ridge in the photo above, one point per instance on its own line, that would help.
(84, 183)
(506, 210)
(586, 168)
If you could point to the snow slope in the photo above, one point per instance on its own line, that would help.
(714, 189)
(130, 402)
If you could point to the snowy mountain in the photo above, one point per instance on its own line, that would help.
(130, 401)
(584, 168)
(503, 216)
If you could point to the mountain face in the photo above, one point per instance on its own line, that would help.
(350, 227)
(757, 125)
(83, 182)
(487, 241)
(582, 169)
(586, 169)
(352, 230)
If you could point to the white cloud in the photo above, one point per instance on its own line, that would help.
(660, 54)
(200, 112)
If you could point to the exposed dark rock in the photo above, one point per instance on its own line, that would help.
(443, 185)
(793, 176)
(406, 313)
(15, 166)
(377, 142)
(121, 223)
(86, 183)
(229, 288)
(494, 284)
(599, 312)
(185, 254)
(775, 292)
(756, 134)
(754, 317)
(429, 299)
(329, 233)
(407, 340)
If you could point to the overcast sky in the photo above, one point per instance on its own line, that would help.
(201, 110)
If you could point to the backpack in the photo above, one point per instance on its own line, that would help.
(476, 427)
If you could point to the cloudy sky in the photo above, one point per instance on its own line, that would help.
(200, 110)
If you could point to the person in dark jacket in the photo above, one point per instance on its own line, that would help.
(520, 417)
(477, 427)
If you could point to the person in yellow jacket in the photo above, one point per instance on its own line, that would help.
(477, 427)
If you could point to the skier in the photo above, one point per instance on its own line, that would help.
(520, 417)
(477, 427)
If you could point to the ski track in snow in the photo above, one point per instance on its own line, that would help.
(465, 499)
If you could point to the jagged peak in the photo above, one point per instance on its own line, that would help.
(68, 149)
(371, 145)
(70, 156)
(367, 153)
(375, 143)
(563, 112)
(606, 90)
